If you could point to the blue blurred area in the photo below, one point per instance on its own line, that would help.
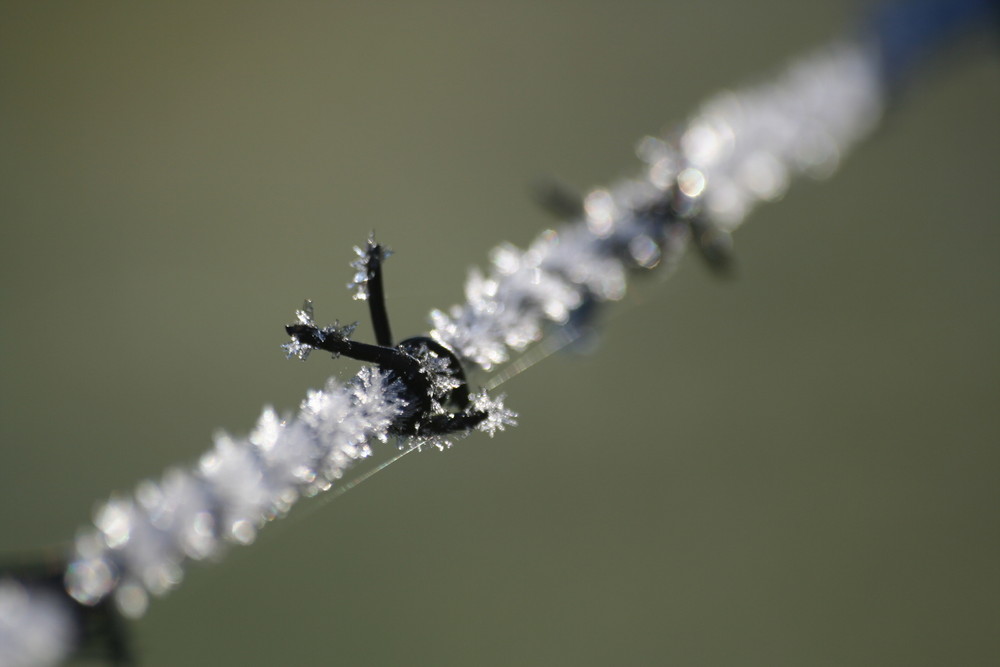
(909, 32)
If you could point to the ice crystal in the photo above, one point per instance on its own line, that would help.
(377, 399)
(362, 267)
(442, 377)
(296, 349)
(304, 316)
(498, 417)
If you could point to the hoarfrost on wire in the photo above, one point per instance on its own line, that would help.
(735, 144)
(740, 149)
(304, 316)
(236, 488)
(360, 264)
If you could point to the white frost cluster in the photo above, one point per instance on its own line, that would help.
(507, 309)
(498, 417)
(740, 148)
(744, 147)
(141, 542)
(443, 380)
(304, 315)
(36, 628)
(359, 282)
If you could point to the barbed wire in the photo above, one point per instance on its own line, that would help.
(695, 188)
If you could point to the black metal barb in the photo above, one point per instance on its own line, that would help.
(430, 388)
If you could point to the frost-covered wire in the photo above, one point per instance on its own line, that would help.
(738, 150)
(140, 542)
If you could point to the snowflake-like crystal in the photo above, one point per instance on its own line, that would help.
(498, 416)
(304, 317)
(442, 377)
(362, 267)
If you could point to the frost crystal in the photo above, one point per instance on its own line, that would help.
(438, 442)
(297, 349)
(441, 376)
(377, 399)
(362, 267)
(304, 317)
(498, 417)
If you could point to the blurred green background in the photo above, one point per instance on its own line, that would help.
(797, 467)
